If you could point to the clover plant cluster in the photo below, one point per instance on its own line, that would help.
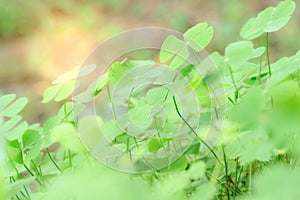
(254, 107)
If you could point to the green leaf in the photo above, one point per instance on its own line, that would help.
(281, 15)
(75, 73)
(154, 145)
(6, 99)
(111, 130)
(33, 152)
(51, 92)
(179, 165)
(186, 70)
(119, 70)
(51, 123)
(89, 130)
(199, 36)
(170, 47)
(30, 137)
(258, 52)
(248, 110)
(283, 68)
(239, 52)
(67, 136)
(140, 114)
(70, 110)
(10, 123)
(15, 152)
(180, 58)
(269, 20)
(156, 95)
(16, 132)
(93, 90)
(14, 108)
(66, 90)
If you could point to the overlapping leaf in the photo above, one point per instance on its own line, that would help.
(269, 20)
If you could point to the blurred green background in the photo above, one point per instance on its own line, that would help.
(41, 39)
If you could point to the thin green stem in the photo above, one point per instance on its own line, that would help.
(194, 132)
(70, 157)
(298, 77)
(27, 192)
(32, 174)
(250, 179)
(236, 177)
(52, 160)
(111, 102)
(260, 63)
(65, 110)
(226, 172)
(15, 167)
(236, 95)
(268, 55)
(195, 55)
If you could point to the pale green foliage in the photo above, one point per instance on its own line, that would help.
(254, 159)
(270, 20)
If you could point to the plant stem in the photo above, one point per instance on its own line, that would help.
(250, 179)
(52, 160)
(268, 55)
(260, 63)
(236, 95)
(15, 168)
(70, 157)
(195, 55)
(236, 178)
(226, 172)
(194, 132)
(111, 102)
(65, 110)
(32, 174)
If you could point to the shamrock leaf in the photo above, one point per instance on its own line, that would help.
(269, 20)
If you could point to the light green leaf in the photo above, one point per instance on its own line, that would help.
(51, 123)
(154, 145)
(15, 107)
(179, 165)
(111, 130)
(6, 99)
(75, 73)
(17, 132)
(238, 52)
(180, 58)
(171, 46)
(140, 114)
(248, 110)
(30, 137)
(15, 152)
(93, 90)
(269, 20)
(283, 68)
(258, 52)
(66, 90)
(118, 70)
(67, 136)
(10, 123)
(50, 93)
(199, 36)
(156, 95)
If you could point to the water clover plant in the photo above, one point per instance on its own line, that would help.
(165, 137)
